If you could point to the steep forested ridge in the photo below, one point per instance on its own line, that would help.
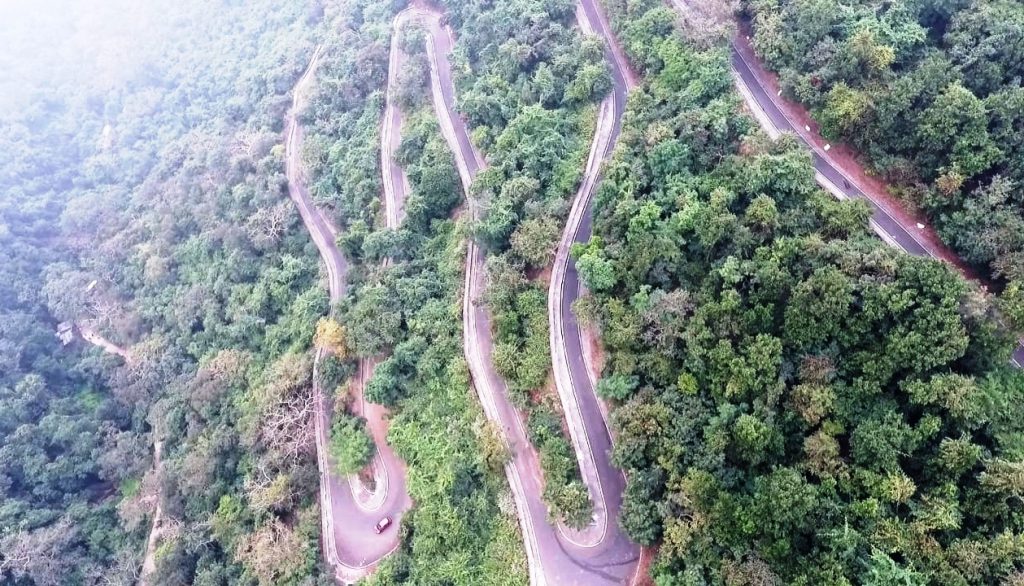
(142, 195)
(931, 93)
(797, 403)
(527, 83)
(150, 206)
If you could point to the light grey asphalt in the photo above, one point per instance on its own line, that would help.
(614, 560)
(611, 479)
(357, 545)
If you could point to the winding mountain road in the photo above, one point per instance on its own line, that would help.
(349, 510)
(584, 413)
(556, 556)
(772, 116)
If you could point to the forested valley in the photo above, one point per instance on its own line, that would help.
(791, 400)
(145, 200)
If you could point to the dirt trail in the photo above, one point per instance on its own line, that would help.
(90, 335)
(149, 561)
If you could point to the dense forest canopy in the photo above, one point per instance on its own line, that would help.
(793, 402)
(797, 402)
(931, 92)
(138, 170)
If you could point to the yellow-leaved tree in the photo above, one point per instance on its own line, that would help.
(330, 335)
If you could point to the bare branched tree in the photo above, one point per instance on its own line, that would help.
(39, 554)
(287, 427)
(245, 144)
(273, 553)
(268, 224)
(268, 489)
(287, 407)
(124, 571)
(709, 22)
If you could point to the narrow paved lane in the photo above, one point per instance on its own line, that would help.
(348, 514)
(396, 182)
(828, 173)
(584, 413)
(553, 557)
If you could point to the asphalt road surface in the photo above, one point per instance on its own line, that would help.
(584, 412)
(555, 558)
(348, 516)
